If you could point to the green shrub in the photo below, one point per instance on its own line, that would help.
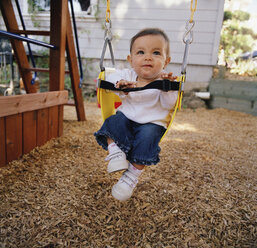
(245, 68)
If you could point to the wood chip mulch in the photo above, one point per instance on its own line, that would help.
(201, 194)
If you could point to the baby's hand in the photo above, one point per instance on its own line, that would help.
(168, 76)
(122, 84)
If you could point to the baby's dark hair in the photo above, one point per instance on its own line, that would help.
(151, 31)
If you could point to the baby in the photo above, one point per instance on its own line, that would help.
(132, 135)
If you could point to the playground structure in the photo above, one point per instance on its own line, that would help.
(30, 120)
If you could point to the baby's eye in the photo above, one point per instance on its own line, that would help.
(156, 53)
(140, 52)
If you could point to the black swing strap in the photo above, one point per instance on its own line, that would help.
(165, 85)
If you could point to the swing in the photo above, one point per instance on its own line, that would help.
(109, 101)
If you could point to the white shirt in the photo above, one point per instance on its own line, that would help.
(151, 105)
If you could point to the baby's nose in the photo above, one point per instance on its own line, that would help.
(148, 56)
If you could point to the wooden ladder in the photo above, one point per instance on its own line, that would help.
(61, 36)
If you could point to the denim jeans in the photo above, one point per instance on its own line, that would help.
(140, 142)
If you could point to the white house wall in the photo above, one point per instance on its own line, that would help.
(129, 16)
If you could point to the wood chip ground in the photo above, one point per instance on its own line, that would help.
(201, 194)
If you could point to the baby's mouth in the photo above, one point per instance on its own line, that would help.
(147, 66)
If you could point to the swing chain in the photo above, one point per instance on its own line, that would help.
(192, 10)
(108, 11)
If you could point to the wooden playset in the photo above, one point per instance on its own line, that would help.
(30, 120)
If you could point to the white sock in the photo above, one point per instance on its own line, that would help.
(113, 148)
(134, 170)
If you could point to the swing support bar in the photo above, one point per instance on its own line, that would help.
(77, 43)
(19, 37)
(107, 41)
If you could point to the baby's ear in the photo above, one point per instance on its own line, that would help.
(167, 61)
(129, 59)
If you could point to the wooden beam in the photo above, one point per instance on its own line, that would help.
(59, 10)
(74, 72)
(31, 32)
(22, 103)
(36, 69)
(19, 51)
(41, 70)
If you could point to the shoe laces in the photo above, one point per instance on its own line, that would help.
(115, 155)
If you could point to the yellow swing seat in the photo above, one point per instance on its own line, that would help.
(109, 101)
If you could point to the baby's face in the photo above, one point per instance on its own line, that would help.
(149, 57)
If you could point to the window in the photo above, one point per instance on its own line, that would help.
(88, 6)
(85, 4)
(39, 5)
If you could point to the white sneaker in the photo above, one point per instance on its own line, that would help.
(118, 161)
(123, 189)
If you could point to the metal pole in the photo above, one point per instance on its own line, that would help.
(11, 65)
(185, 57)
(1, 62)
(19, 37)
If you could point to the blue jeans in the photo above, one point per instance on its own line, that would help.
(140, 142)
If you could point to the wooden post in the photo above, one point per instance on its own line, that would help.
(59, 10)
(74, 73)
